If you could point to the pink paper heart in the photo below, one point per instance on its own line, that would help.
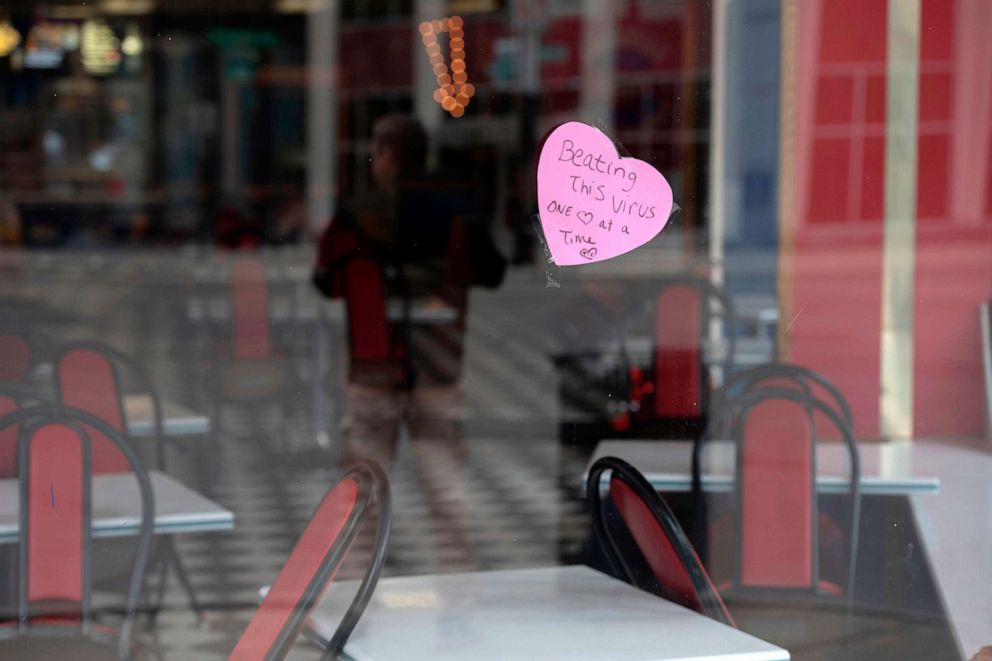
(594, 204)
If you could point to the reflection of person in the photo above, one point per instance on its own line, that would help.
(409, 226)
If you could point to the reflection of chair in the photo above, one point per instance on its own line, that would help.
(21, 350)
(664, 393)
(253, 370)
(8, 438)
(15, 358)
(747, 382)
(676, 569)
(12, 398)
(55, 519)
(780, 375)
(670, 397)
(88, 379)
(776, 524)
(250, 332)
(250, 374)
(9, 402)
(313, 563)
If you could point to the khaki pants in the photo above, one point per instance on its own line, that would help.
(432, 415)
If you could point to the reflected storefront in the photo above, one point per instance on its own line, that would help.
(350, 284)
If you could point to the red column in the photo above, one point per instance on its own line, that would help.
(953, 244)
(833, 298)
(834, 315)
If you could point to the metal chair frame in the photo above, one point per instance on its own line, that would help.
(804, 376)
(166, 553)
(373, 486)
(711, 603)
(740, 408)
(74, 418)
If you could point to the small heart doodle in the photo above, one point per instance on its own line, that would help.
(588, 253)
(585, 217)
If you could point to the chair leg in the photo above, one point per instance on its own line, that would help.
(170, 559)
(183, 577)
(163, 576)
(214, 449)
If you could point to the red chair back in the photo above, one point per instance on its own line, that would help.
(88, 381)
(250, 310)
(776, 522)
(15, 358)
(8, 439)
(788, 376)
(314, 562)
(55, 559)
(56, 502)
(678, 356)
(777, 534)
(655, 545)
(663, 544)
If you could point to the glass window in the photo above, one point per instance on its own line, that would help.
(496, 329)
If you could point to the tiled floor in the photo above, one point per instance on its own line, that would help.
(515, 511)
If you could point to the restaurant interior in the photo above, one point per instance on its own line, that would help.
(496, 329)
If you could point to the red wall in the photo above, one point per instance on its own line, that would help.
(953, 250)
(835, 304)
(837, 249)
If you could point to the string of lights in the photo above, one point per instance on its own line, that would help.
(453, 89)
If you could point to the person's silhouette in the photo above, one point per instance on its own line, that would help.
(398, 258)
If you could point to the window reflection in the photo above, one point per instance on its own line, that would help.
(297, 234)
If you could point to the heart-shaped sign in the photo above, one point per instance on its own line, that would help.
(595, 204)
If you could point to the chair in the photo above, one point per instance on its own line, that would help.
(12, 398)
(670, 396)
(311, 567)
(777, 375)
(21, 350)
(675, 567)
(662, 395)
(771, 375)
(9, 402)
(250, 372)
(15, 358)
(776, 520)
(55, 559)
(8, 438)
(88, 379)
(250, 332)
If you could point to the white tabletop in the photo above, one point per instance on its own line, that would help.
(284, 309)
(886, 468)
(176, 420)
(956, 526)
(116, 507)
(552, 613)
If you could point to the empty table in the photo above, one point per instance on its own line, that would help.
(117, 509)
(956, 527)
(176, 420)
(886, 468)
(566, 613)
